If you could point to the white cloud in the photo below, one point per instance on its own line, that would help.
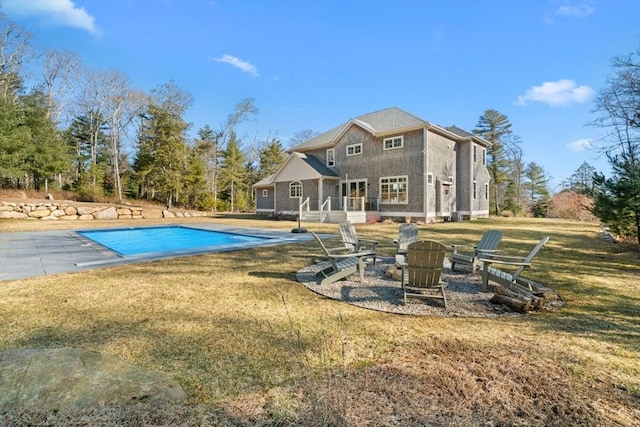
(580, 145)
(581, 10)
(53, 12)
(239, 63)
(558, 93)
(571, 9)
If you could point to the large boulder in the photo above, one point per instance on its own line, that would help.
(68, 377)
(151, 213)
(40, 213)
(85, 210)
(13, 215)
(109, 213)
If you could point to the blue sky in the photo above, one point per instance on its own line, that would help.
(316, 64)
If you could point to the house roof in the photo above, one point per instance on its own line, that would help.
(318, 166)
(466, 135)
(302, 166)
(267, 181)
(379, 123)
(460, 132)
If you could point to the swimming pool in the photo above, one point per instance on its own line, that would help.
(168, 239)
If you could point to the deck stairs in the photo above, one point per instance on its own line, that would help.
(312, 216)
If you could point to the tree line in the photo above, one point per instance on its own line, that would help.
(516, 187)
(66, 126)
(71, 127)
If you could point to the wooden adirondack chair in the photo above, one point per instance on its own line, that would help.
(342, 265)
(490, 273)
(407, 234)
(422, 271)
(488, 244)
(354, 244)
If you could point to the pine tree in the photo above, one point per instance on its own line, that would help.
(617, 199)
(194, 181)
(582, 179)
(232, 172)
(494, 126)
(48, 155)
(161, 157)
(271, 158)
(537, 188)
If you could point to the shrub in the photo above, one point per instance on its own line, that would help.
(571, 205)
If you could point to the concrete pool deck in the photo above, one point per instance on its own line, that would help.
(42, 253)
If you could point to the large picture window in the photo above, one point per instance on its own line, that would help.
(391, 143)
(393, 189)
(354, 149)
(295, 189)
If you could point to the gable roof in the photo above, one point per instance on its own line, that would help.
(383, 122)
(379, 123)
(296, 167)
(466, 135)
(267, 181)
(318, 166)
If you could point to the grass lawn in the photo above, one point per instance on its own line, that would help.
(251, 346)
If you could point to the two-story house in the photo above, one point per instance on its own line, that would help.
(385, 164)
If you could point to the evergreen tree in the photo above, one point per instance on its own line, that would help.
(494, 126)
(233, 172)
(617, 199)
(88, 143)
(161, 156)
(271, 158)
(537, 189)
(244, 110)
(207, 147)
(195, 182)
(14, 143)
(582, 179)
(48, 155)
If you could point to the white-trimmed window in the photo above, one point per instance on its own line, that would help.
(484, 157)
(393, 142)
(486, 191)
(265, 193)
(430, 178)
(331, 157)
(394, 189)
(475, 153)
(295, 189)
(354, 149)
(475, 190)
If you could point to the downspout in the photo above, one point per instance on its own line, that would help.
(320, 180)
(275, 208)
(425, 171)
(471, 181)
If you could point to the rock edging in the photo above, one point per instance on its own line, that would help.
(67, 211)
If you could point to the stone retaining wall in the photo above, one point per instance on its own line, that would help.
(67, 211)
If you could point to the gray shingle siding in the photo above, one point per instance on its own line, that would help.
(448, 157)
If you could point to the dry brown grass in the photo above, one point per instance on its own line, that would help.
(251, 346)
